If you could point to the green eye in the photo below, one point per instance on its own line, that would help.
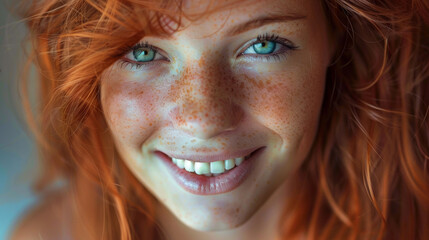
(144, 54)
(265, 47)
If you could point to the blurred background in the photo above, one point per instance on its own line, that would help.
(17, 152)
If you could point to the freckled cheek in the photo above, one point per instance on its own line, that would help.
(287, 103)
(130, 113)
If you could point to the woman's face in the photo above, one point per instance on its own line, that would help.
(243, 84)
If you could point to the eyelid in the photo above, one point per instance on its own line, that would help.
(145, 45)
(266, 37)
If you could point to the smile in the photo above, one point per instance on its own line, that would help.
(210, 175)
(209, 169)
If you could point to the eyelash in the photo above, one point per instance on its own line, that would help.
(125, 62)
(269, 57)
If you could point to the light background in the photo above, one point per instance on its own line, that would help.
(17, 153)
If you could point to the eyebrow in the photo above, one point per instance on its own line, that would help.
(262, 20)
(253, 23)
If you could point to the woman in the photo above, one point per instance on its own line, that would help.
(279, 119)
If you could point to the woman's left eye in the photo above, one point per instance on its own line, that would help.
(267, 46)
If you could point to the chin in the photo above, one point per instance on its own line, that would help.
(213, 223)
(221, 217)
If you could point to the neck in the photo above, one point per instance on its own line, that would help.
(268, 215)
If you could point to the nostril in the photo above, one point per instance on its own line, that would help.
(205, 122)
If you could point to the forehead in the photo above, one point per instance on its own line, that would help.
(203, 18)
(200, 6)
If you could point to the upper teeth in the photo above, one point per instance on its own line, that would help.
(208, 168)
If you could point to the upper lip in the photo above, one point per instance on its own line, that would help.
(212, 157)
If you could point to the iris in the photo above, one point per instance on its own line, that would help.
(144, 54)
(265, 47)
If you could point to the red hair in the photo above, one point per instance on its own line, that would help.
(365, 176)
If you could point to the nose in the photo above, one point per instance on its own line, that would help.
(205, 105)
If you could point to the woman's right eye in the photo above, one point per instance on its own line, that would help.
(143, 54)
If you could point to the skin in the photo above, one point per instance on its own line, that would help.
(206, 97)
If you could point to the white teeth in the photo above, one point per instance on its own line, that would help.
(180, 163)
(208, 168)
(202, 168)
(229, 164)
(239, 160)
(217, 167)
(189, 166)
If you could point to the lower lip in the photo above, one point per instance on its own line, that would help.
(203, 185)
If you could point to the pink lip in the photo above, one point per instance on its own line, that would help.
(212, 158)
(203, 185)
